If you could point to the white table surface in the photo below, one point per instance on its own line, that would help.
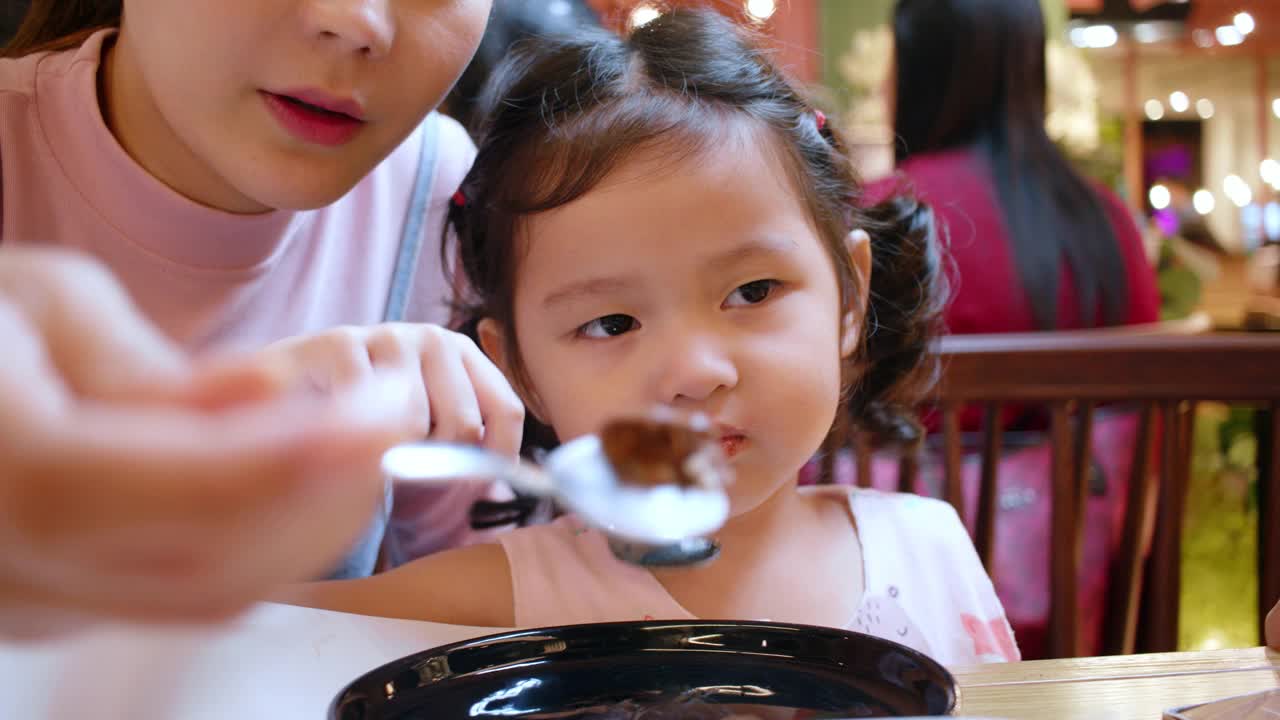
(277, 661)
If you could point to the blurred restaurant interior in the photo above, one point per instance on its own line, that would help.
(1174, 106)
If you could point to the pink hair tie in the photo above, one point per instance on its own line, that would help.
(820, 118)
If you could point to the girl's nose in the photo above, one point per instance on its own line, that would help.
(359, 26)
(696, 368)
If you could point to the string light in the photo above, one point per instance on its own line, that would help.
(1270, 171)
(1155, 109)
(643, 15)
(1237, 190)
(1179, 102)
(761, 10)
(1204, 202)
(1204, 107)
(1244, 23)
(1094, 36)
(1228, 35)
(1159, 197)
(1146, 33)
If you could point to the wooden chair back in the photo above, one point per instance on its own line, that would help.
(1163, 376)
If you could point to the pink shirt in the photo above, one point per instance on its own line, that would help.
(213, 280)
(925, 586)
(986, 293)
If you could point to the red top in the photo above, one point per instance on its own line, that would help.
(986, 293)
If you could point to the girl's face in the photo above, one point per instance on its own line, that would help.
(699, 284)
(207, 94)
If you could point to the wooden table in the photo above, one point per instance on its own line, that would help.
(286, 663)
(1134, 687)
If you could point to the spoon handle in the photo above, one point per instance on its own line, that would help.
(443, 463)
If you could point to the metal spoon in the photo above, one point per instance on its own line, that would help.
(663, 525)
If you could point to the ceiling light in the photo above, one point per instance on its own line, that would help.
(1228, 35)
(1204, 202)
(1159, 197)
(643, 15)
(761, 10)
(1244, 23)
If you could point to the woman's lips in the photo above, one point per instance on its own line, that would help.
(316, 119)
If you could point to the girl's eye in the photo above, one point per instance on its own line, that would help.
(753, 293)
(608, 326)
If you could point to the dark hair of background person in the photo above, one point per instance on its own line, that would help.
(55, 24)
(11, 13)
(510, 22)
(972, 74)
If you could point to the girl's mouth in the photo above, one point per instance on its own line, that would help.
(732, 444)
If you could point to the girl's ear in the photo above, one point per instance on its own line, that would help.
(494, 344)
(858, 245)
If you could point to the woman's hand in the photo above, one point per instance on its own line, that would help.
(136, 484)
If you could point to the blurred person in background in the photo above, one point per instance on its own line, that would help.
(1033, 246)
(11, 13)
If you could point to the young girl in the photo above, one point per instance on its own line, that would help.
(662, 220)
(256, 170)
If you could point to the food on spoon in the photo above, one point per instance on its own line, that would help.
(649, 452)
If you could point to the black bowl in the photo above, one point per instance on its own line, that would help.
(653, 670)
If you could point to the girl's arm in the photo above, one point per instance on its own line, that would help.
(469, 586)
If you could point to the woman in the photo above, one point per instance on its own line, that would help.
(1033, 247)
(264, 179)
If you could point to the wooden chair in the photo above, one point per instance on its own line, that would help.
(1162, 375)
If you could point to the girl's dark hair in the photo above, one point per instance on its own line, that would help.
(971, 74)
(559, 115)
(61, 24)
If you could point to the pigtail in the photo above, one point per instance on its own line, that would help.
(906, 299)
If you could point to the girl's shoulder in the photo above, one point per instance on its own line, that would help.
(917, 551)
(919, 526)
(564, 572)
(906, 504)
(912, 540)
(881, 507)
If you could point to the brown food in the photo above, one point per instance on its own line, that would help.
(650, 453)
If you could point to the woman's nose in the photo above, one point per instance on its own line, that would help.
(358, 26)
